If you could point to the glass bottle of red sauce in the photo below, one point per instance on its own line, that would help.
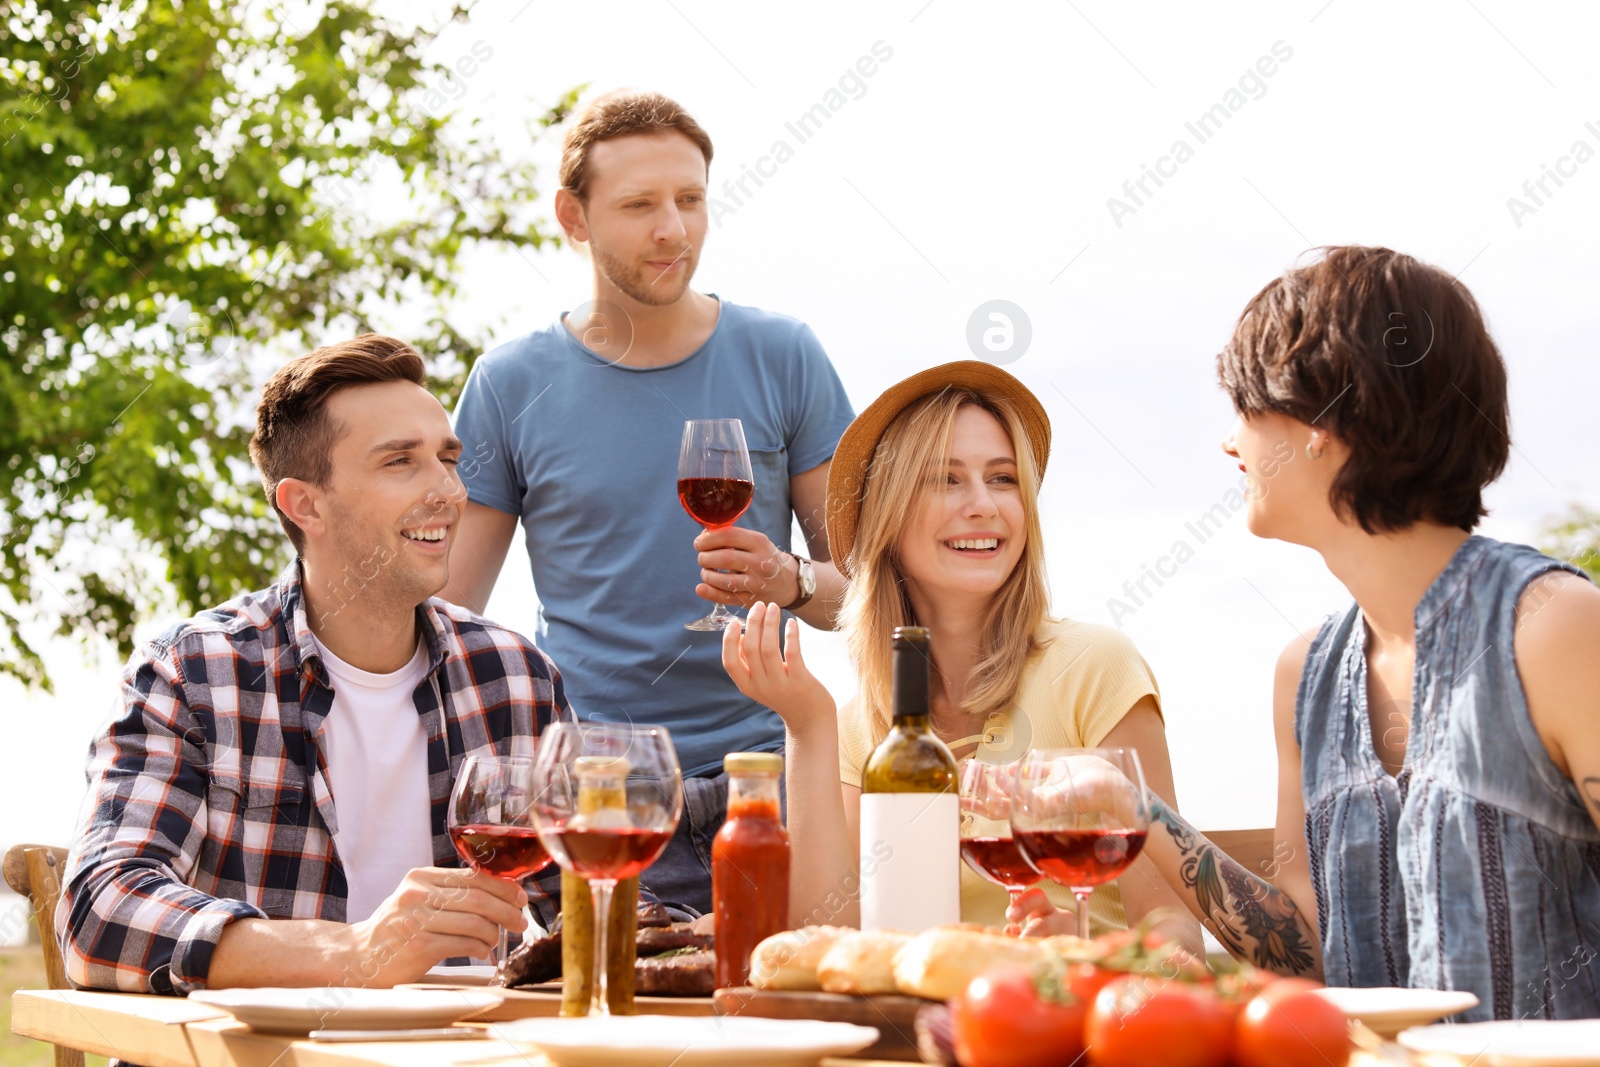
(749, 864)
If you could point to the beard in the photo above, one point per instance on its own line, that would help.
(643, 283)
(377, 575)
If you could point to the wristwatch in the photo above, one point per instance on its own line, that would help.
(808, 582)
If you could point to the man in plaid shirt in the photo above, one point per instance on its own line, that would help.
(289, 755)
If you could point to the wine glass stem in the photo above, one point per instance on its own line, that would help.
(500, 959)
(718, 611)
(1083, 911)
(600, 896)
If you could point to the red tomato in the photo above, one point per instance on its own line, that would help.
(1085, 980)
(1288, 1025)
(1138, 1021)
(1001, 1022)
(1240, 988)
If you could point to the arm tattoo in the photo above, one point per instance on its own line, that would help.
(1249, 915)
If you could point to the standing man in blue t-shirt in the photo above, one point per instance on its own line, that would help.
(575, 429)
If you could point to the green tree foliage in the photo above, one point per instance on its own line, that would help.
(186, 185)
(1576, 538)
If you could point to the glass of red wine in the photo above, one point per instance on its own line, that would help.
(609, 799)
(491, 824)
(715, 485)
(986, 839)
(1079, 815)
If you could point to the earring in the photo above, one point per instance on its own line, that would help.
(1313, 453)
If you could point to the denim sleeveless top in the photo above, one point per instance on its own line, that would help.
(1477, 867)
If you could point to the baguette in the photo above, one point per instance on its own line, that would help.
(862, 961)
(789, 960)
(938, 963)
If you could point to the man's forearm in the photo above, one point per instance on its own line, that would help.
(1254, 920)
(822, 610)
(286, 952)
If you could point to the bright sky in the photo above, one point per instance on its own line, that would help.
(974, 163)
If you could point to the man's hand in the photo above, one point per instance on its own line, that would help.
(754, 662)
(757, 570)
(436, 913)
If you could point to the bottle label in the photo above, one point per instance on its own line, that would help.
(910, 860)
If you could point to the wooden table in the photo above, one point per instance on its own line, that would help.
(171, 1032)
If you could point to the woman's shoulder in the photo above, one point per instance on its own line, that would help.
(1087, 675)
(1066, 641)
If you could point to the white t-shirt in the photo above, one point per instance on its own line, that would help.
(377, 750)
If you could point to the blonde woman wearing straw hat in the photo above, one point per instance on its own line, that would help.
(933, 515)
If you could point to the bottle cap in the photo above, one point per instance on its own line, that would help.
(917, 636)
(601, 768)
(753, 763)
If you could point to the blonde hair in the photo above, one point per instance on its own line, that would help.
(918, 440)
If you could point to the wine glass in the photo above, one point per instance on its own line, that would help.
(715, 485)
(609, 796)
(1080, 816)
(986, 839)
(491, 824)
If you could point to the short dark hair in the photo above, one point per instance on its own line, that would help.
(294, 433)
(1392, 357)
(622, 113)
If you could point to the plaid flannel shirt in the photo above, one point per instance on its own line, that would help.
(209, 793)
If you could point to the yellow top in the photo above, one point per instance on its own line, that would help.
(1072, 692)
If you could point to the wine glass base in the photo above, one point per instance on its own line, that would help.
(712, 623)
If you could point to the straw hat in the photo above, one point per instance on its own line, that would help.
(847, 477)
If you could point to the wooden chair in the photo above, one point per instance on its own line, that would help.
(35, 872)
(1254, 850)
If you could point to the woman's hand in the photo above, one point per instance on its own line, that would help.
(1034, 916)
(986, 788)
(1078, 786)
(752, 659)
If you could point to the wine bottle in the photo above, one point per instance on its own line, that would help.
(910, 809)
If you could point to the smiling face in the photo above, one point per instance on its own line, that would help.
(967, 528)
(1290, 489)
(645, 217)
(389, 509)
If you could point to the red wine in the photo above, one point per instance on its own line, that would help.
(999, 860)
(715, 502)
(1081, 858)
(619, 854)
(503, 851)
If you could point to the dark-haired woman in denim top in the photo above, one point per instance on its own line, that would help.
(1476, 866)
(1438, 740)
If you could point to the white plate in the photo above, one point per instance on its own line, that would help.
(1512, 1043)
(686, 1041)
(299, 1011)
(1387, 1011)
(464, 974)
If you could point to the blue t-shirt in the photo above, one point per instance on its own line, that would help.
(586, 452)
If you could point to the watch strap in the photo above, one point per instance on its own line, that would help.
(807, 589)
